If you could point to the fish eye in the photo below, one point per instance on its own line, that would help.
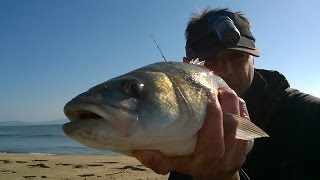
(133, 87)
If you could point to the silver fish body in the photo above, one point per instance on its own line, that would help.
(160, 106)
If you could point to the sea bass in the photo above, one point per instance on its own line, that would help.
(160, 106)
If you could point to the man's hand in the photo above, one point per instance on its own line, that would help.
(218, 155)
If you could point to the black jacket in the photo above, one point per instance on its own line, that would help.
(292, 120)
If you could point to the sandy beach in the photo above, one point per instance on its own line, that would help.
(68, 167)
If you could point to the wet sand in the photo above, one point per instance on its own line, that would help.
(68, 167)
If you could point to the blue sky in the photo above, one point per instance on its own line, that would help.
(50, 51)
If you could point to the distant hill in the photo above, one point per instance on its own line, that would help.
(24, 123)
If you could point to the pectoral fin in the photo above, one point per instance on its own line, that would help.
(246, 130)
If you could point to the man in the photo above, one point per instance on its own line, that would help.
(223, 40)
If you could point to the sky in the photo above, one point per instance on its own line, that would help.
(52, 50)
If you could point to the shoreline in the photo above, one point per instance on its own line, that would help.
(67, 167)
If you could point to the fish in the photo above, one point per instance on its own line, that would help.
(160, 106)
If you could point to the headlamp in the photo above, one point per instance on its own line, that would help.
(224, 27)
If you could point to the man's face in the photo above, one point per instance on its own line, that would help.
(235, 67)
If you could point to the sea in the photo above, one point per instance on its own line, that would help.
(42, 139)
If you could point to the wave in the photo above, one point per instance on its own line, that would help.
(45, 154)
(32, 135)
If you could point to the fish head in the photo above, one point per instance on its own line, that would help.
(120, 113)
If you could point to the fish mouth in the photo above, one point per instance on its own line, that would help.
(89, 114)
(83, 111)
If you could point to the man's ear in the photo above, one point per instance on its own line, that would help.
(186, 60)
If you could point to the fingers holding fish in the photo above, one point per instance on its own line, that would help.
(229, 100)
(243, 109)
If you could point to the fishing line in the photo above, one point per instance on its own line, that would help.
(154, 40)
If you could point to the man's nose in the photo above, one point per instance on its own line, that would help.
(224, 68)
